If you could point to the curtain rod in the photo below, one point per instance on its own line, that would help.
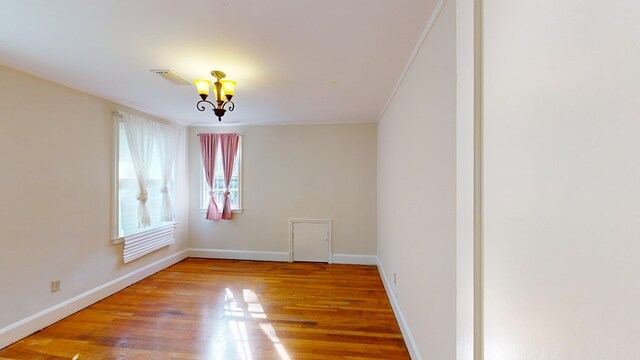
(116, 113)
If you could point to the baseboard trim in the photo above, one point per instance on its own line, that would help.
(239, 254)
(27, 326)
(404, 327)
(355, 259)
(275, 256)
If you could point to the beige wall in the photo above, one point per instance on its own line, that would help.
(417, 192)
(304, 171)
(562, 180)
(56, 164)
(466, 50)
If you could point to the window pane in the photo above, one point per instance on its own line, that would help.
(219, 187)
(128, 188)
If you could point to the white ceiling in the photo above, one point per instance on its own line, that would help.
(284, 54)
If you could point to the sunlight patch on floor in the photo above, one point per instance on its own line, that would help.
(241, 311)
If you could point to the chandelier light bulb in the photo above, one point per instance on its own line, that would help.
(202, 86)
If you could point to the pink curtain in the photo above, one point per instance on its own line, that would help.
(229, 147)
(209, 149)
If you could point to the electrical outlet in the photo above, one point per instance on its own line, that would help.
(55, 285)
(394, 278)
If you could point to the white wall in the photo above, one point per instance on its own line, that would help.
(304, 171)
(465, 178)
(562, 179)
(417, 193)
(56, 148)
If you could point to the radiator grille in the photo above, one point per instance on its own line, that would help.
(142, 243)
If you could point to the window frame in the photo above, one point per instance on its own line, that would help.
(204, 187)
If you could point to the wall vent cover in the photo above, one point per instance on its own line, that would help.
(170, 77)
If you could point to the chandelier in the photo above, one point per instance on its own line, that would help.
(223, 92)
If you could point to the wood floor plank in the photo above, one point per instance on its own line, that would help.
(231, 310)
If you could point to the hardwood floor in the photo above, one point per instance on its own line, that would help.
(235, 310)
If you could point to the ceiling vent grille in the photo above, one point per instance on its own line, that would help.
(170, 77)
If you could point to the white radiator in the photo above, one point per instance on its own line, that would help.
(142, 243)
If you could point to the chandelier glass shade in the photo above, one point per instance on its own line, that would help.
(223, 90)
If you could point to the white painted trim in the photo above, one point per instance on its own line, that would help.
(283, 256)
(416, 50)
(239, 254)
(355, 259)
(27, 326)
(478, 178)
(315, 221)
(404, 327)
(115, 192)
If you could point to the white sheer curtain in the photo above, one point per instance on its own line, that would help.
(140, 134)
(167, 140)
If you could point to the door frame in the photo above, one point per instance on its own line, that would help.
(292, 221)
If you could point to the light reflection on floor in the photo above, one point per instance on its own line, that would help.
(237, 313)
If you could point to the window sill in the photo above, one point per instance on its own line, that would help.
(234, 211)
(161, 226)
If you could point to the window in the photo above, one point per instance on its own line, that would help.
(128, 189)
(235, 185)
